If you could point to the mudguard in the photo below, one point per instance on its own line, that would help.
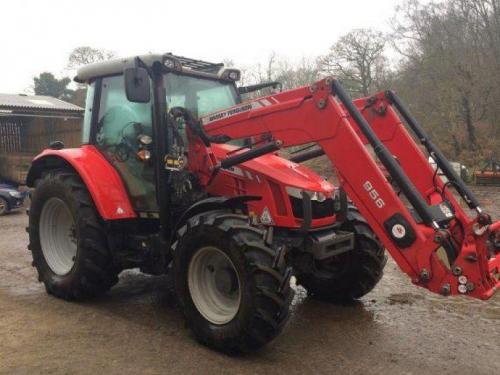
(101, 178)
(214, 203)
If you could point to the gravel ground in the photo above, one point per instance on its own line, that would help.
(136, 328)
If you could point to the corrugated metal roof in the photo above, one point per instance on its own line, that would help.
(36, 102)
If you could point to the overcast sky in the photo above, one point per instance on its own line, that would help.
(38, 35)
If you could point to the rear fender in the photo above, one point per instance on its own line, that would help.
(101, 178)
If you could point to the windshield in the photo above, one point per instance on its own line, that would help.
(199, 95)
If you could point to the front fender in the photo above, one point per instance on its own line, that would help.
(101, 178)
(213, 203)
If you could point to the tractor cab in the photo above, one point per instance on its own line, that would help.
(120, 123)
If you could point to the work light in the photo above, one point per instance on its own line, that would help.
(230, 74)
(172, 63)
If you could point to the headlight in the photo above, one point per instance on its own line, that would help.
(297, 193)
(15, 194)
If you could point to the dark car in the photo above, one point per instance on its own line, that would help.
(10, 198)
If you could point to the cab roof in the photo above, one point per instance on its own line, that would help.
(89, 72)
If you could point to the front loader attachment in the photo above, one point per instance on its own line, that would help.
(386, 174)
(462, 256)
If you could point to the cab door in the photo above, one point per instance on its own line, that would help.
(120, 123)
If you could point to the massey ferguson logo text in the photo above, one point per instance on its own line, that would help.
(230, 112)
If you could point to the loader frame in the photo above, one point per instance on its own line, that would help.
(435, 242)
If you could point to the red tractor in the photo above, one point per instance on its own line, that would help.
(176, 174)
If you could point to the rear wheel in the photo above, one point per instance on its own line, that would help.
(350, 275)
(4, 207)
(232, 289)
(67, 239)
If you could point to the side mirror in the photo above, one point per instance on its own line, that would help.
(137, 86)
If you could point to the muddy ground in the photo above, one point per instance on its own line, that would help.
(136, 329)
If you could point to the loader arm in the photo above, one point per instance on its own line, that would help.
(434, 241)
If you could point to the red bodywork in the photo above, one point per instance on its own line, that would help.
(267, 176)
(101, 178)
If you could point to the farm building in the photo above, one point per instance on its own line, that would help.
(27, 125)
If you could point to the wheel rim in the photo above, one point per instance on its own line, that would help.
(57, 236)
(214, 285)
(3, 206)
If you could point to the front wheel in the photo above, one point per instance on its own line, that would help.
(350, 275)
(232, 290)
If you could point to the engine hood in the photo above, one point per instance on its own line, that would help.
(281, 170)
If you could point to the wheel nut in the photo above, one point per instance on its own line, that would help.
(322, 104)
(445, 289)
(457, 270)
(462, 280)
(440, 236)
(462, 289)
(470, 286)
(425, 275)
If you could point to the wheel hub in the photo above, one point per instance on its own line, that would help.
(226, 281)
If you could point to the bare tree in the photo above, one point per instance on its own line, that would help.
(304, 73)
(277, 68)
(446, 48)
(80, 56)
(357, 58)
(450, 71)
(84, 55)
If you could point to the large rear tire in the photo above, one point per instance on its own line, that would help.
(67, 239)
(233, 289)
(351, 275)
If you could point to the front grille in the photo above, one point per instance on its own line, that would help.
(319, 209)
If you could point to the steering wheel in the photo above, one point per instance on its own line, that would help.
(122, 152)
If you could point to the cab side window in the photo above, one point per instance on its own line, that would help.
(120, 123)
(87, 119)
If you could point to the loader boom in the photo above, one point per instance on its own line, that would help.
(434, 241)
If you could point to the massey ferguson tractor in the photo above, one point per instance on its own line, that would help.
(177, 174)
